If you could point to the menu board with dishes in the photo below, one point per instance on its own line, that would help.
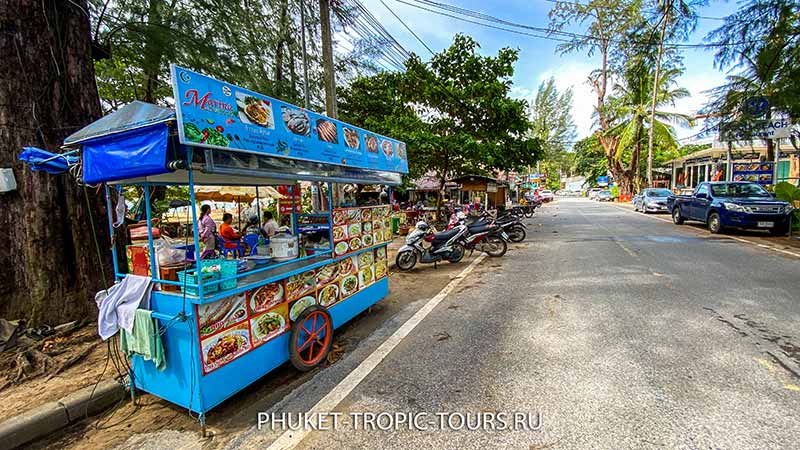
(215, 114)
(357, 228)
(760, 173)
(231, 327)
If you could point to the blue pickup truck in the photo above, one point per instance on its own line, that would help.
(723, 205)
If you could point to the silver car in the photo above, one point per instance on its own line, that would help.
(651, 200)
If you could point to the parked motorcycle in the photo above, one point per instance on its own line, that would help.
(485, 236)
(513, 226)
(444, 246)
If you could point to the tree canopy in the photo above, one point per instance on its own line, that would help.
(759, 42)
(454, 112)
(255, 44)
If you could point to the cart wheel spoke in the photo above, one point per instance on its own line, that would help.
(311, 350)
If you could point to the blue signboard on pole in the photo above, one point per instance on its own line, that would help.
(602, 181)
(215, 114)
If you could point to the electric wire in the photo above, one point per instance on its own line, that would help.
(408, 28)
(459, 13)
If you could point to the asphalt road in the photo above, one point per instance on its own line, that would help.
(608, 328)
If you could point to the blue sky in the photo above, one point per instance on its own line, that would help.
(538, 59)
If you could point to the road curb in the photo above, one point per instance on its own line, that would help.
(53, 416)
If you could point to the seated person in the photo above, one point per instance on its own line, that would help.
(230, 236)
(270, 227)
(252, 226)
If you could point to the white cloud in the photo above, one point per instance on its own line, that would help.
(575, 75)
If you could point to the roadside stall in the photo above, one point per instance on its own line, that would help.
(491, 192)
(224, 323)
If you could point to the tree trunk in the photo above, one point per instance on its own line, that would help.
(327, 58)
(50, 267)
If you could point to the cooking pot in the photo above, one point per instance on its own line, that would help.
(283, 247)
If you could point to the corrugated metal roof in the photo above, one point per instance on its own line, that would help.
(130, 117)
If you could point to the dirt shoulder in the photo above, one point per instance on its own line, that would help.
(150, 414)
(51, 369)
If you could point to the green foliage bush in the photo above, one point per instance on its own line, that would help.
(790, 193)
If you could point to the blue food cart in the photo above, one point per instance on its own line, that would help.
(223, 328)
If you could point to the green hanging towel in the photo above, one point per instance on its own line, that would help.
(145, 340)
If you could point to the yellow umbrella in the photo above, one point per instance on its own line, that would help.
(239, 194)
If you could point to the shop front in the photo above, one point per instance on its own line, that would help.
(488, 191)
(748, 163)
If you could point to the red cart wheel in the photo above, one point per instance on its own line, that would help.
(311, 338)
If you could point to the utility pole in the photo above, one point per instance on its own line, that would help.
(327, 58)
(665, 22)
(305, 54)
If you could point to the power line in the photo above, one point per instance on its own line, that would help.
(366, 32)
(407, 28)
(483, 24)
(459, 12)
(368, 28)
(561, 2)
(372, 22)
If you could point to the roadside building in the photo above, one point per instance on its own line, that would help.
(491, 192)
(749, 162)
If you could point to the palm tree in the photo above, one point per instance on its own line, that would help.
(632, 103)
(678, 20)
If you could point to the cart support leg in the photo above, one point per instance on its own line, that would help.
(202, 419)
(132, 387)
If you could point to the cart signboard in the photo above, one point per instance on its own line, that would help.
(219, 115)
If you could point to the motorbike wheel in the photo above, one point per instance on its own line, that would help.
(495, 246)
(517, 234)
(528, 213)
(457, 254)
(406, 260)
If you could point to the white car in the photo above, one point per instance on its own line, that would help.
(547, 195)
(593, 192)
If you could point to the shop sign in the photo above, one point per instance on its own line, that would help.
(491, 187)
(755, 129)
(219, 115)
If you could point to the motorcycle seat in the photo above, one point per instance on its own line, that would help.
(445, 235)
(479, 228)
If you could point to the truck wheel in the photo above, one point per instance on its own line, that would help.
(677, 218)
(714, 223)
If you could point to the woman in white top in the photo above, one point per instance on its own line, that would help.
(270, 226)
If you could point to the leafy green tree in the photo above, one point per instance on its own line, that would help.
(251, 43)
(590, 159)
(760, 42)
(608, 24)
(551, 118)
(632, 100)
(677, 20)
(454, 112)
(551, 123)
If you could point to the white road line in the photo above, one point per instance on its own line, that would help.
(735, 238)
(291, 439)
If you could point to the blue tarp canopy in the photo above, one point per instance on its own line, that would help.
(46, 161)
(136, 153)
(132, 116)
